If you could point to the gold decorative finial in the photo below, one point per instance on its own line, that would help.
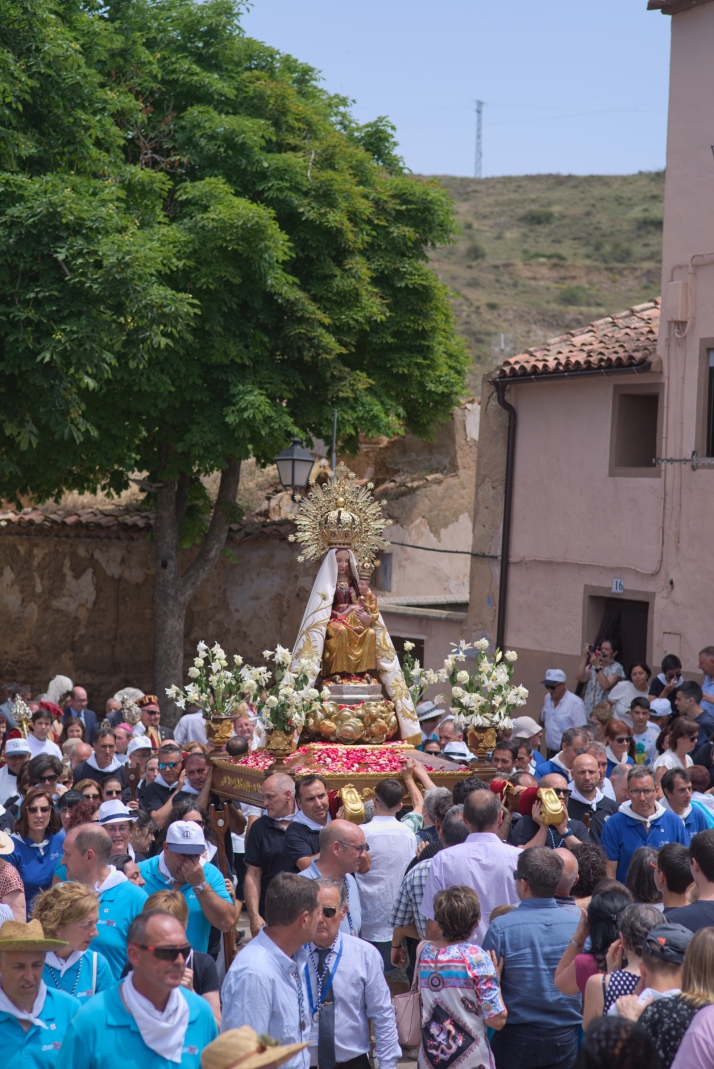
(131, 713)
(23, 714)
(340, 515)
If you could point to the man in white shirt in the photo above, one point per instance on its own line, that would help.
(265, 986)
(561, 709)
(392, 846)
(346, 990)
(191, 728)
(38, 740)
(343, 851)
(17, 753)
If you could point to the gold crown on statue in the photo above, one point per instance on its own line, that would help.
(340, 515)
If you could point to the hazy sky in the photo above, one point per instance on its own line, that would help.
(570, 86)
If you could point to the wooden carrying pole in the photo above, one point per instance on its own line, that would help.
(219, 823)
(132, 777)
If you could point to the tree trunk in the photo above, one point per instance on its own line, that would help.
(172, 591)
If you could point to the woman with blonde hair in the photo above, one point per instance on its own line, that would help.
(69, 911)
(600, 717)
(200, 974)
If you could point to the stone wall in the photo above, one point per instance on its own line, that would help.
(78, 602)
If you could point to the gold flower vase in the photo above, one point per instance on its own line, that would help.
(481, 741)
(219, 730)
(280, 743)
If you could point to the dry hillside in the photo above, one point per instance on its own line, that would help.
(545, 253)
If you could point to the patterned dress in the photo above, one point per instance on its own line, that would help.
(459, 992)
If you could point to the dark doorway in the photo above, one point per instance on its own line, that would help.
(625, 624)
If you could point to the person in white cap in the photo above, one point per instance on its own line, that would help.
(428, 716)
(526, 730)
(561, 709)
(119, 820)
(182, 868)
(17, 754)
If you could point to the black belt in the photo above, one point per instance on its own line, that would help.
(360, 1062)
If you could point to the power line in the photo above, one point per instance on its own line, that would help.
(459, 552)
(479, 138)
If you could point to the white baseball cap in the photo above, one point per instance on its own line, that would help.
(554, 675)
(185, 837)
(658, 707)
(16, 746)
(524, 727)
(114, 812)
(140, 742)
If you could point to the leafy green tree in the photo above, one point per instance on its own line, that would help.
(203, 254)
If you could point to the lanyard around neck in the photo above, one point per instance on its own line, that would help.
(321, 991)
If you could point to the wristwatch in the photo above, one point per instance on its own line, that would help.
(200, 887)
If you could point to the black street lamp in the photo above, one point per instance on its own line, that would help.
(294, 466)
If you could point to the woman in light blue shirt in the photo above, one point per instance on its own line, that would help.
(69, 912)
(38, 842)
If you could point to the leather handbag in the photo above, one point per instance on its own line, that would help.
(407, 1010)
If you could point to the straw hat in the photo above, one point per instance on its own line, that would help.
(14, 935)
(242, 1048)
(7, 846)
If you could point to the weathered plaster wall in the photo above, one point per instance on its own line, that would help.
(80, 604)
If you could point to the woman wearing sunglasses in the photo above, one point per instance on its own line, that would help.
(38, 839)
(91, 790)
(620, 746)
(69, 912)
(682, 740)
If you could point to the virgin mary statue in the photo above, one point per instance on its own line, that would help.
(344, 637)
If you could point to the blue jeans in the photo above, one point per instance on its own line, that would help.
(532, 1046)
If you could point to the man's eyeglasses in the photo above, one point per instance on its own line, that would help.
(642, 792)
(165, 953)
(552, 686)
(562, 792)
(624, 738)
(163, 765)
(39, 809)
(329, 911)
(350, 846)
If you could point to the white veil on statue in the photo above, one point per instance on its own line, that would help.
(310, 644)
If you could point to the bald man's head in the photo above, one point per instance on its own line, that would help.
(570, 872)
(586, 774)
(342, 846)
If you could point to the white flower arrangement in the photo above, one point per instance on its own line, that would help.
(418, 679)
(484, 696)
(219, 691)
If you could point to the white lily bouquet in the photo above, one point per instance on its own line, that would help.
(219, 690)
(418, 679)
(215, 688)
(486, 696)
(291, 699)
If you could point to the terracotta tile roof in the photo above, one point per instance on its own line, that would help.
(625, 340)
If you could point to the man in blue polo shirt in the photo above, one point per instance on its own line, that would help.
(33, 1017)
(180, 868)
(87, 850)
(150, 1020)
(677, 789)
(641, 821)
(543, 1025)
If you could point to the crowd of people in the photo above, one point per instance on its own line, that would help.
(561, 913)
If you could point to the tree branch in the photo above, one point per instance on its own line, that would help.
(215, 539)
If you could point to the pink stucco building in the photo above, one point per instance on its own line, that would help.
(586, 490)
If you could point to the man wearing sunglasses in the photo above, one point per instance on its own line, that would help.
(157, 798)
(152, 1019)
(346, 990)
(561, 709)
(531, 831)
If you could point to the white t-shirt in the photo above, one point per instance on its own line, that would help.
(621, 697)
(37, 747)
(645, 745)
(669, 759)
(569, 713)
